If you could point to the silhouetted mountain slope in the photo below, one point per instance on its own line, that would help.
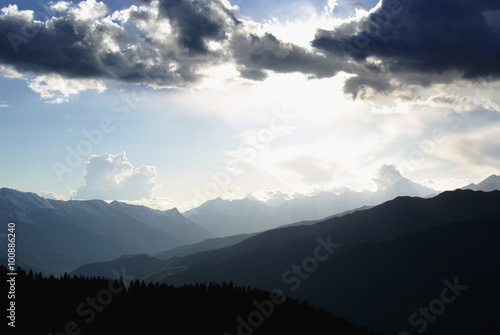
(96, 306)
(105, 268)
(382, 284)
(209, 244)
(135, 265)
(61, 235)
(311, 222)
(141, 265)
(55, 246)
(270, 253)
(391, 258)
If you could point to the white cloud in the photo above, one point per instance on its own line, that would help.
(52, 195)
(60, 6)
(387, 176)
(113, 177)
(9, 72)
(58, 89)
(473, 149)
(330, 6)
(161, 204)
(13, 11)
(90, 10)
(272, 197)
(464, 97)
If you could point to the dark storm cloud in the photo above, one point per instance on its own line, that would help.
(418, 42)
(195, 23)
(257, 53)
(169, 43)
(58, 49)
(77, 48)
(133, 50)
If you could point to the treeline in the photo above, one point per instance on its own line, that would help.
(82, 305)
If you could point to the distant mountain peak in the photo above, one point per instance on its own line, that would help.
(492, 183)
(390, 181)
(491, 179)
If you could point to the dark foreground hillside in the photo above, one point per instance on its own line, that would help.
(80, 305)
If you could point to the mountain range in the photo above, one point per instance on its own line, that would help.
(63, 235)
(232, 217)
(55, 236)
(376, 267)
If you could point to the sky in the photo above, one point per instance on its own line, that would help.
(170, 103)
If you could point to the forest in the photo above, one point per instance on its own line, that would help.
(95, 305)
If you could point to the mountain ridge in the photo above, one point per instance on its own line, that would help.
(61, 235)
(491, 183)
(223, 217)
